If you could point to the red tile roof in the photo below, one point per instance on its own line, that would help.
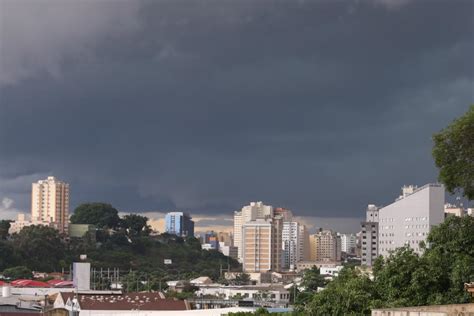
(29, 283)
(130, 301)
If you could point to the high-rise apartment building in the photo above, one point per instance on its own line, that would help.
(286, 214)
(369, 236)
(180, 224)
(295, 244)
(226, 238)
(410, 218)
(50, 203)
(313, 247)
(327, 246)
(261, 244)
(348, 243)
(249, 213)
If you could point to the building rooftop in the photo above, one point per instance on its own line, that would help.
(131, 301)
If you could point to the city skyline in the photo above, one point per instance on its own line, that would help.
(225, 222)
(165, 113)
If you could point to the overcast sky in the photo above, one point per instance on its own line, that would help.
(319, 106)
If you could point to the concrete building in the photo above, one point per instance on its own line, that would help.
(326, 246)
(226, 238)
(238, 221)
(330, 271)
(454, 210)
(286, 214)
(410, 218)
(348, 243)
(179, 223)
(312, 247)
(295, 244)
(304, 265)
(50, 203)
(80, 230)
(261, 244)
(369, 236)
(249, 213)
(21, 222)
(263, 292)
(230, 251)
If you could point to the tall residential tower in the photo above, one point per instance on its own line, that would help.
(50, 203)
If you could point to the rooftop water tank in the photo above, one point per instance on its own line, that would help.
(6, 291)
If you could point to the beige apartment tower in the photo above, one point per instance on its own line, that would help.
(50, 203)
(325, 246)
(249, 213)
(261, 245)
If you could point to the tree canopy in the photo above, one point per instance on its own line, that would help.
(135, 225)
(39, 247)
(453, 153)
(19, 272)
(99, 214)
(4, 227)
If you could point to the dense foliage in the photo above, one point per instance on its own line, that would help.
(102, 215)
(4, 227)
(453, 153)
(123, 243)
(404, 278)
(19, 272)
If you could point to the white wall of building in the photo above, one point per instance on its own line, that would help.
(275, 294)
(410, 218)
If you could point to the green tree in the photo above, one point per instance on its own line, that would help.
(102, 215)
(312, 279)
(4, 227)
(39, 248)
(349, 294)
(451, 256)
(7, 258)
(241, 279)
(453, 153)
(135, 225)
(20, 272)
(403, 279)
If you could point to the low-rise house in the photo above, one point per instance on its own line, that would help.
(263, 292)
(201, 281)
(304, 265)
(330, 272)
(177, 286)
(19, 304)
(255, 277)
(470, 289)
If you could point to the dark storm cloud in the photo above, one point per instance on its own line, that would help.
(321, 107)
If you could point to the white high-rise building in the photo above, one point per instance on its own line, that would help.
(249, 213)
(410, 218)
(348, 243)
(50, 203)
(295, 244)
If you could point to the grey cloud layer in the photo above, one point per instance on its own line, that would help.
(317, 106)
